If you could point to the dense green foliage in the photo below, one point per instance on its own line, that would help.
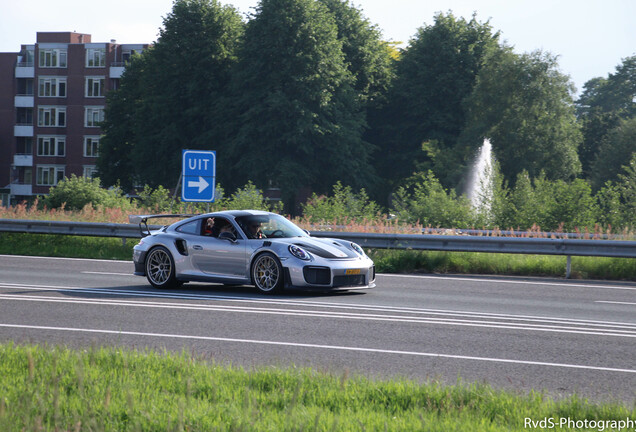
(297, 119)
(306, 94)
(601, 107)
(424, 116)
(111, 389)
(169, 96)
(76, 192)
(523, 104)
(344, 205)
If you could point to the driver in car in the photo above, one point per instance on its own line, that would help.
(254, 230)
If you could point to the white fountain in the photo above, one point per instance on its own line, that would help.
(479, 188)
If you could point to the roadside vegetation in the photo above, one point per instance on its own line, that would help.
(342, 210)
(111, 389)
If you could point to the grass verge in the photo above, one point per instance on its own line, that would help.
(394, 261)
(387, 261)
(109, 389)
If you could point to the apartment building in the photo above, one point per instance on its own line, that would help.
(52, 100)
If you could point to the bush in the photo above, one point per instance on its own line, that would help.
(248, 198)
(342, 207)
(425, 200)
(76, 192)
(553, 205)
(157, 199)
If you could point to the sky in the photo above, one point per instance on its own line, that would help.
(591, 37)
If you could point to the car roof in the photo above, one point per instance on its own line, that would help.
(238, 213)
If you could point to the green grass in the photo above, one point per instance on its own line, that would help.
(387, 261)
(394, 261)
(66, 246)
(109, 389)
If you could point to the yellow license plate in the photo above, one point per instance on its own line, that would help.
(352, 272)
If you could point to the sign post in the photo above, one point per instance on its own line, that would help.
(198, 175)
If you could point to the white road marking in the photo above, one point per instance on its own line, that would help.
(23, 257)
(615, 302)
(315, 304)
(454, 318)
(514, 282)
(320, 346)
(107, 273)
(393, 275)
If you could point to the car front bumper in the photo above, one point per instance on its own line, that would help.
(337, 275)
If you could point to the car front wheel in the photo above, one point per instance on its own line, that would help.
(160, 269)
(267, 273)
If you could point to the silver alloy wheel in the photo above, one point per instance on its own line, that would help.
(267, 273)
(159, 267)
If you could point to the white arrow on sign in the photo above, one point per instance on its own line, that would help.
(201, 184)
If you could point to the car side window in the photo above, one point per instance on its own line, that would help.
(217, 226)
(189, 228)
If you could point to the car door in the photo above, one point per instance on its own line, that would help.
(219, 256)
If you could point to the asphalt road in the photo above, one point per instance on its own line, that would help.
(558, 336)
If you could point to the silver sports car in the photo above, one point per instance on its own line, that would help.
(249, 247)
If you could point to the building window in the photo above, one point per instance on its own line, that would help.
(52, 87)
(25, 86)
(94, 116)
(52, 116)
(49, 175)
(51, 146)
(90, 171)
(53, 58)
(95, 57)
(24, 116)
(91, 146)
(95, 86)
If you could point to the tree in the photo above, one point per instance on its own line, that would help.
(523, 103)
(618, 146)
(600, 108)
(297, 119)
(367, 56)
(434, 75)
(173, 99)
(115, 164)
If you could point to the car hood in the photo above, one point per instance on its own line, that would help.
(322, 247)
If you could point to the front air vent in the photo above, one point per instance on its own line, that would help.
(317, 275)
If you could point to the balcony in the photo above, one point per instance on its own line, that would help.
(25, 70)
(24, 101)
(23, 160)
(23, 130)
(117, 70)
(21, 189)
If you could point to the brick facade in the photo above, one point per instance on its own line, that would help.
(52, 96)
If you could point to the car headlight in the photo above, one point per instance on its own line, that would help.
(357, 248)
(299, 252)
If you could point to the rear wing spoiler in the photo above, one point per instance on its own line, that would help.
(142, 220)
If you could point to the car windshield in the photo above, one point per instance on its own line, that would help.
(268, 226)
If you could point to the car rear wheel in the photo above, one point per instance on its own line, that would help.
(160, 270)
(267, 273)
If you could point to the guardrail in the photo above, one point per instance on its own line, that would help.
(450, 243)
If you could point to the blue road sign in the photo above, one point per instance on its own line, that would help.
(198, 171)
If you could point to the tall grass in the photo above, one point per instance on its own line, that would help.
(110, 389)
